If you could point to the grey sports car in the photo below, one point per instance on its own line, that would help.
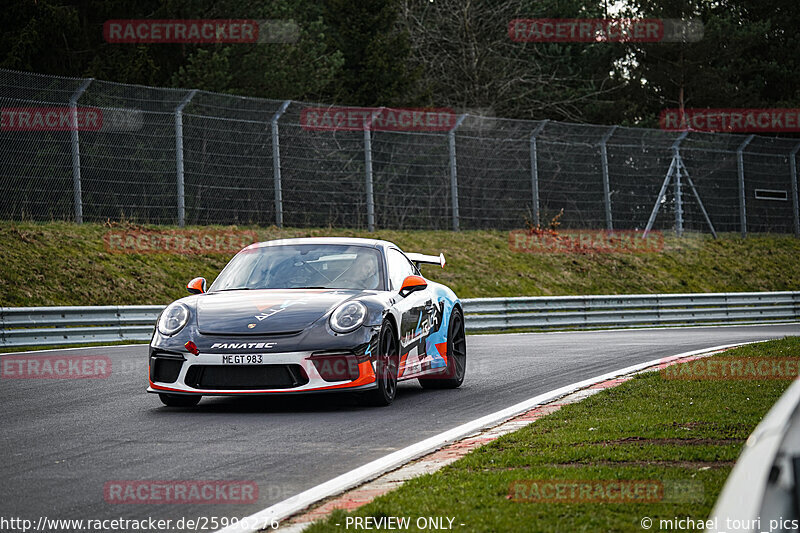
(310, 315)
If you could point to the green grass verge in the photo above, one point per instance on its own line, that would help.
(67, 264)
(648, 428)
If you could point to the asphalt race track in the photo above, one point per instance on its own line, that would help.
(63, 439)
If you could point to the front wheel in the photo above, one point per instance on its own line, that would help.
(386, 366)
(453, 375)
(179, 400)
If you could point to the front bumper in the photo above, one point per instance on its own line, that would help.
(271, 373)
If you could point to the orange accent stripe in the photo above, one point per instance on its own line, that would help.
(442, 347)
(402, 370)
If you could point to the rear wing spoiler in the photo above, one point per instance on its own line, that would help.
(426, 259)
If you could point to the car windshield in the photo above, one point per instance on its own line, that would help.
(303, 266)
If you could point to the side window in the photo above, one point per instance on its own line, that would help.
(399, 268)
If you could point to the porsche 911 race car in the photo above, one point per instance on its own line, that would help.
(310, 315)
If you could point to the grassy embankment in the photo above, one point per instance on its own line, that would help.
(67, 264)
(684, 434)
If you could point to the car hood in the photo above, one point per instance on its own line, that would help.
(265, 311)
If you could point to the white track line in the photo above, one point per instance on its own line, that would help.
(298, 502)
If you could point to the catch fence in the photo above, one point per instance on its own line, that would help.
(186, 157)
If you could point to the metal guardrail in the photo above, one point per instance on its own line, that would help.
(51, 326)
(630, 310)
(56, 326)
(764, 484)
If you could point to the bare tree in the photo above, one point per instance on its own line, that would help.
(469, 60)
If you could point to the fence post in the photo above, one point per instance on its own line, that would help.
(369, 190)
(678, 202)
(606, 185)
(453, 172)
(676, 156)
(535, 172)
(179, 156)
(673, 167)
(795, 210)
(740, 168)
(77, 194)
(276, 164)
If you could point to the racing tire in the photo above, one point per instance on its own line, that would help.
(179, 400)
(386, 367)
(453, 375)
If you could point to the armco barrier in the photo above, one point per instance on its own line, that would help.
(50, 326)
(630, 310)
(756, 487)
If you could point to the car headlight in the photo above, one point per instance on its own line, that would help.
(172, 320)
(348, 317)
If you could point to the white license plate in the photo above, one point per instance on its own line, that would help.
(243, 359)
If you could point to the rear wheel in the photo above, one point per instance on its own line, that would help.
(385, 370)
(453, 376)
(179, 400)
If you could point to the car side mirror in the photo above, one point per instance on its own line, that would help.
(196, 286)
(412, 284)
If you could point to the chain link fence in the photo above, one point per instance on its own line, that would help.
(177, 156)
